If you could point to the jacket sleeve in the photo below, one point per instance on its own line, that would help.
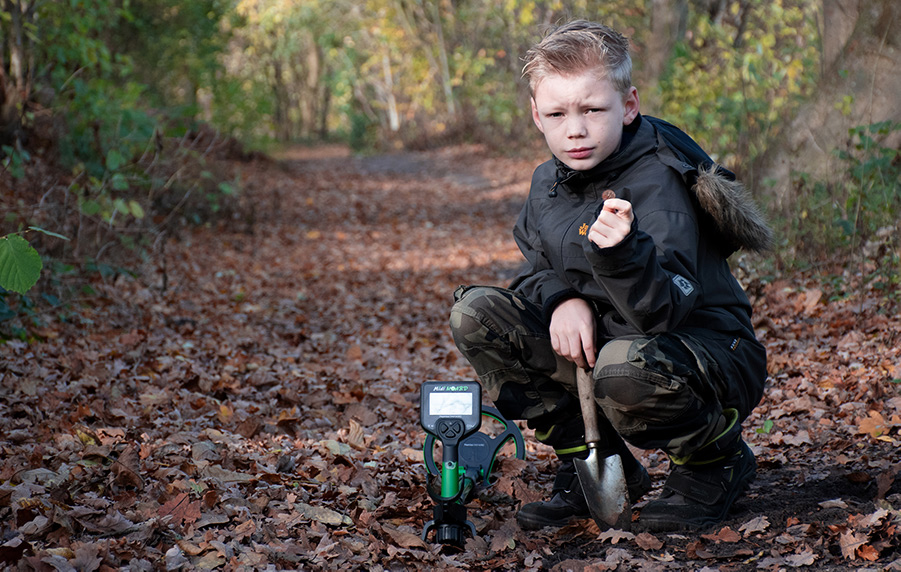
(650, 278)
(538, 281)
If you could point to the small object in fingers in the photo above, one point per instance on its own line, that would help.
(609, 194)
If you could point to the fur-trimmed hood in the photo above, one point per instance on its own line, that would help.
(732, 211)
(735, 214)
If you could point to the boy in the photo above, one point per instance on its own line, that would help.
(636, 287)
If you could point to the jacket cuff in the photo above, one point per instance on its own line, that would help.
(555, 300)
(613, 257)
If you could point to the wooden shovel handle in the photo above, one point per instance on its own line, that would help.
(585, 384)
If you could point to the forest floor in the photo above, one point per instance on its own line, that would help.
(251, 400)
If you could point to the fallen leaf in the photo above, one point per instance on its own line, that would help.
(725, 534)
(868, 552)
(695, 550)
(245, 529)
(12, 550)
(504, 538)
(873, 519)
(405, 539)
(884, 482)
(111, 523)
(873, 425)
(583, 566)
(86, 436)
(354, 353)
(323, 515)
(355, 435)
(181, 509)
(811, 299)
(189, 548)
(210, 561)
(127, 468)
(36, 527)
(212, 520)
(834, 503)
(521, 490)
(226, 476)
(849, 542)
(800, 438)
(647, 541)
(614, 535)
(806, 558)
(757, 524)
(337, 448)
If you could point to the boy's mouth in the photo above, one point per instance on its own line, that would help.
(580, 153)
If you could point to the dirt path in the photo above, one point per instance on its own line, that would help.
(263, 408)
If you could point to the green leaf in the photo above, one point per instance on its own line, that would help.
(114, 160)
(121, 206)
(47, 232)
(227, 188)
(767, 427)
(136, 210)
(120, 182)
(90, 207)
(20, 264)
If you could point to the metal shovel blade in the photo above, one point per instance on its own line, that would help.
(602, 477)
(604, 484)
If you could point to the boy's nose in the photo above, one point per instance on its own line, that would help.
(575, 127)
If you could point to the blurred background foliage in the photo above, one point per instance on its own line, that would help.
(139, 99)
(392, 73)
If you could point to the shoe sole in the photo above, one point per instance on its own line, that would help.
(536, 523)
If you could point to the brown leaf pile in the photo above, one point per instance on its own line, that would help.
(262, 410)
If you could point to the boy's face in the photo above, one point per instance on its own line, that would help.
(582, 117)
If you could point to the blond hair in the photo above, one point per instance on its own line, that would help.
(577, 47)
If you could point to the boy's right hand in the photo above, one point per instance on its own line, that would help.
(572, 332)
(614, 223)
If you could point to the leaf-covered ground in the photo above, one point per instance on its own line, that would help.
(261, 410)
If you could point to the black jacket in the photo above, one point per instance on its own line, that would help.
(671, 270)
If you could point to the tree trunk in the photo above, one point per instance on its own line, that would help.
(15, 77)
(439, 66)
(325, 103)
(442, 59)
(282, 105)
(669, 19)
(390, 101)
(860, 85)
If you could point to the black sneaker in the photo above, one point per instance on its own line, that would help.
(568, 502)
(698, 496)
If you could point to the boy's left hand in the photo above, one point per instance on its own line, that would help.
(613, 224)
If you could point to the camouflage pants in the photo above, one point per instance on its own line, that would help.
(666, 391)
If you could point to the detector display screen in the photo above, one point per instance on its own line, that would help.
(460, 400)
(450, 404)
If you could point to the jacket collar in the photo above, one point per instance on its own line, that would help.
(638, 139)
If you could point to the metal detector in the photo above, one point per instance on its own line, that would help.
(451, 413)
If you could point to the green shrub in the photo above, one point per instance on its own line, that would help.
(853, 216)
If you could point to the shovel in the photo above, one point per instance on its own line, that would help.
(601, 473)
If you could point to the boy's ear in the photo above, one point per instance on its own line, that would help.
(631, 106)
(535, 116)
